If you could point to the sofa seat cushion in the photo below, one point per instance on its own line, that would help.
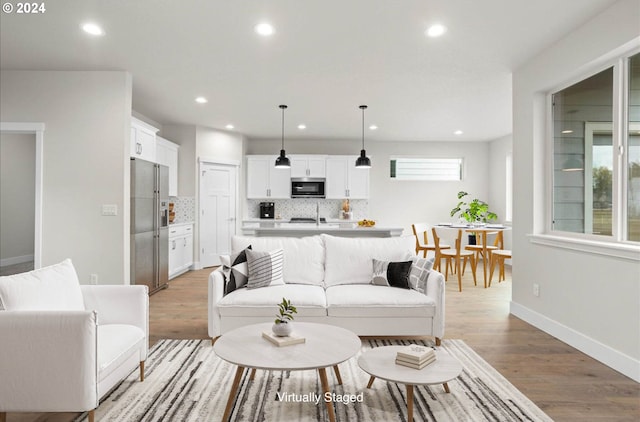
(52, 288)
(377, 301)
(308, 300)
(303, 257)
(116, 343)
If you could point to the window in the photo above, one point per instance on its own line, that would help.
(426, 168)
(596, 163)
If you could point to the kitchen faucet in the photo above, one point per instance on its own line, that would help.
(317, 213)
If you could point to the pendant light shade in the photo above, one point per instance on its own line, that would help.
(282, 161)
(363, 161)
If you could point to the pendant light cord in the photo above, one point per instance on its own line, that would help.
(363, 108)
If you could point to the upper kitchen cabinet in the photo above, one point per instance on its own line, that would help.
(143, 140)
(264, 180)
(167, 155)
(308, 165)
(344, 179)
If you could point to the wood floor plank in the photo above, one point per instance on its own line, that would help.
(567, 384)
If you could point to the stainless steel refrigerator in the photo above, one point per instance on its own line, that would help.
(149, 224)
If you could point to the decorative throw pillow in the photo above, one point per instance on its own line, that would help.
(265, 268)
(419, 273)
(394, 274)
(236, 272)
(52, 288)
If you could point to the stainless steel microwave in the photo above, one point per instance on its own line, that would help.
(307, 188)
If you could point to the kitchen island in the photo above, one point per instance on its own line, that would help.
(342, 229)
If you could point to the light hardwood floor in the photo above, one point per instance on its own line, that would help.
(565, 383)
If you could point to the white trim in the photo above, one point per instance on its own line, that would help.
(21, 127)
(15, 260)
(223, 161)
(37, 129)
(612, 249)
(615, 359)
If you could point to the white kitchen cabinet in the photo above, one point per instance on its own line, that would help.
(143, 140)
(264, 180)
(167, 155)
(344, 179)
(308, 166)
(180, 249)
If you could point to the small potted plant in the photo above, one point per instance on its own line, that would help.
(282, 326)
(475, 212)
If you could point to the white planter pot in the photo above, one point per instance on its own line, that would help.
(282, 329)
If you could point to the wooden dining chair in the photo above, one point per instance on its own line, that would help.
(497, 257)
(455, 257)
(478, 248)
(420, 231)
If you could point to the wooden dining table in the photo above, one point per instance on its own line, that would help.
(482, 231)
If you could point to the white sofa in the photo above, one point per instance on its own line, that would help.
(328, 279)
(63, 346)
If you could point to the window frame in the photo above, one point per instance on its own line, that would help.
(617, 244)
(461, 161)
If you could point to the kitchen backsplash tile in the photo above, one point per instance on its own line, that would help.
(184, 207)
(300, 207)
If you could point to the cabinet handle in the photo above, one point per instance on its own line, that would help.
(185, 242)
(174, 245)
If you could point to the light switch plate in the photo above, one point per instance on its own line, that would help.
(109, 209)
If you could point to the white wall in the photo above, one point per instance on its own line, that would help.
(86, 161)
(17, 197)
(401, 203)
(498, 151)
(590, 301)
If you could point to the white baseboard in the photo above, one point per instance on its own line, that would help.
(15, 260)
(615, 359)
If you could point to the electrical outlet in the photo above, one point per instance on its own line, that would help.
(536, 289)
(94, 279)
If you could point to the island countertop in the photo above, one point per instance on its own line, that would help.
(349, 229)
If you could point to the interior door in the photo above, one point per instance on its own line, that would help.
(217, 211)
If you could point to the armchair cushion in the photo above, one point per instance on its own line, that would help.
(52, 288)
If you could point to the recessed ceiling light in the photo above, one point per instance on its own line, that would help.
(373, 127)
(458, 132)
(264, 29)
(201, 100)
(302, 126)
(92, 29)
(567, 131)
(230, 126)
(436, 30)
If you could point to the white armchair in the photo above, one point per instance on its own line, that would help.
(67, 359)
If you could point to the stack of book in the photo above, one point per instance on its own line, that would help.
(415, 356)
(283, 341)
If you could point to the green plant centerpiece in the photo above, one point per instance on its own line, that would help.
(475, 212)
(282, 326)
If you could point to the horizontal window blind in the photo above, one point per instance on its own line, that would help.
(426, 168)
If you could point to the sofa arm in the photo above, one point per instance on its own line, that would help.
(216, 291)
(48, 361)
(436, 290)
(116, 304)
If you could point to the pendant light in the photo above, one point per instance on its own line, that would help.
(282, 161)
(363, 161)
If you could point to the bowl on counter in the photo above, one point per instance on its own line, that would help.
(366, 223)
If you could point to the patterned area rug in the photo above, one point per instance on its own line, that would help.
(186, 381)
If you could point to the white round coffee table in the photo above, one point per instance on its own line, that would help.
(379, 362)
(325, 346)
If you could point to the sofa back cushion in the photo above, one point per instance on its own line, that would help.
(52, 288)
(350, 260)
(303, 257)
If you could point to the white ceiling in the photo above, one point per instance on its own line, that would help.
(326, 58)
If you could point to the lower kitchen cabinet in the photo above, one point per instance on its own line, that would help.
(180, 249)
